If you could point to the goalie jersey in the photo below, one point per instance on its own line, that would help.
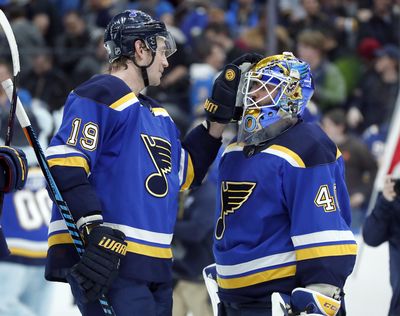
(133, 165)
(283, 217)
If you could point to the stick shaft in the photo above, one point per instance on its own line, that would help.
(55, 192)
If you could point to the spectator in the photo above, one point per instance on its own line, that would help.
(27, 35)
(75, 49)
(360, 164)
(192, 248)
(330, 89)
(211, 58)
(376, 94)
(45, 82)
(383, 224)
(221, 34)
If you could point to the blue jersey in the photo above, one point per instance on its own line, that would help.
(129, 149)
(4, 252)
(283, 217)
(26, 220)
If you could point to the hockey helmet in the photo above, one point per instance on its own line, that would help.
(130, 25)
(276, 92)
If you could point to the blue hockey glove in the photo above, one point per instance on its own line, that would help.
(99, 264)
(13, 166)
(221, 106)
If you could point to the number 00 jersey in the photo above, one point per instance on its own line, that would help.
(129, 151)
(283, 217)
(25, 219)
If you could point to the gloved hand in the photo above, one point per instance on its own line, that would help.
(99, 264)
(13, 165)
(303, 301)
(313, 302)
(221, 106)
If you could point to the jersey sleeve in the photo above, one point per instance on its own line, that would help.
(319, 210)
(84, 133)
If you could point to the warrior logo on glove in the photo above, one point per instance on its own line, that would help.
(113, 245)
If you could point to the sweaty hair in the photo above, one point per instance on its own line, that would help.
(120, 63)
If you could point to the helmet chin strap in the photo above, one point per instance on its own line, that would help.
(143, 69)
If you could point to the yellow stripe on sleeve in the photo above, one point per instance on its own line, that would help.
(151, 251)
(60, 239)
(70, 162)
(134, 247)
(28, 253)
(189, 175)
(326, 251)
(260, 277)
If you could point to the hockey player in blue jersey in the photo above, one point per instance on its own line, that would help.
(283, 214)
(13, 172)
(119, 163)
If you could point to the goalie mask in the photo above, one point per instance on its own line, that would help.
(276, 91)
(131, 25)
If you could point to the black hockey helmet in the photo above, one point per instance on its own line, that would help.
(130, 25)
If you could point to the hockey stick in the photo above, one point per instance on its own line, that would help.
(16, 68)
(55, 192)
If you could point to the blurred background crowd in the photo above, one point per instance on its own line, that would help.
(353, 48)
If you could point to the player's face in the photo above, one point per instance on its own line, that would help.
(156, 70)
(263, 94)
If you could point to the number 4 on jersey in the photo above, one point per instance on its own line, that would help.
(325, 199)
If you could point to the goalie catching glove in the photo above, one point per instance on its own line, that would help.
(221, 106)
(99, 264)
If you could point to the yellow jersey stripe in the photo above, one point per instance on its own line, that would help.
(260, 277)
(338, 153)
(290, 153)
(326, 251)
(151, 251)
(124, 99)
(70, 162)
(160, 112)
(134, 247)
(28, 253)
(189, 175)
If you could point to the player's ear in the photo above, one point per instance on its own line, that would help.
(140, 50)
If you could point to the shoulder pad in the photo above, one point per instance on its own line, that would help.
(103, 89)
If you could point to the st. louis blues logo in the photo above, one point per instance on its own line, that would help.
(233, 195)
(160, 152)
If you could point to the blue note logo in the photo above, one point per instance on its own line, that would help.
(160, 152)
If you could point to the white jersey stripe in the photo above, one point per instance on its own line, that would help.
(136, 233)
(27, 244)
(265, 262)
(61, 150)
(321, 237)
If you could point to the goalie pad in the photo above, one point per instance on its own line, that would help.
(210, 278)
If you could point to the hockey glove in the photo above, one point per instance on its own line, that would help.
(304, 302)
(13, 165)
(99, 264)
(313, 302)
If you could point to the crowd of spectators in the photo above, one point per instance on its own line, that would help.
(353, 47)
